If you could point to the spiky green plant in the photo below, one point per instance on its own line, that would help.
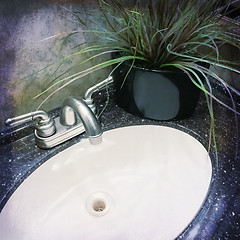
(185, 34)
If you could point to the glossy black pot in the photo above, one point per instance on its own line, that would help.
(155, 94)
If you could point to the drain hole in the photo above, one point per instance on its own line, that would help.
(99, 206)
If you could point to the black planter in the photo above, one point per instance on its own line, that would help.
(155, 94)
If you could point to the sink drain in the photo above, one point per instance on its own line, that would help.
(99, 204)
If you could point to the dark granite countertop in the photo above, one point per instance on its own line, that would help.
(219, 217)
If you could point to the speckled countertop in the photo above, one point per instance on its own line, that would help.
(219, 217)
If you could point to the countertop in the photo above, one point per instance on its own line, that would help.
(219, 217)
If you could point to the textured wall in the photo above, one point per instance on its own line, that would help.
(231, 54)
(24, 27)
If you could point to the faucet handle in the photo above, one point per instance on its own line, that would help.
(97, 87)
(19, 120)
(44, 124)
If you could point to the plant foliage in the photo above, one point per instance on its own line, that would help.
(168, 31)
(185, 34)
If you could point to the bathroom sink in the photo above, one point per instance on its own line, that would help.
(141, 182)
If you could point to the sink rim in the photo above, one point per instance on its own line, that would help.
(54, 151)
(183, 129)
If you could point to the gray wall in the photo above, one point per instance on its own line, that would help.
(25, 26)
(25, 49)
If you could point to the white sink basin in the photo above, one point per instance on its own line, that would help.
(142, 182)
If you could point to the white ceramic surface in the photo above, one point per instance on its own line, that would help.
(142, 182)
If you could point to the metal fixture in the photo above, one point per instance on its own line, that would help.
(45, 126)
(87, 117)
(76, 117)
(98, 87)
(99, 204)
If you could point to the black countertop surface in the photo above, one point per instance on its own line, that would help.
(219, 217)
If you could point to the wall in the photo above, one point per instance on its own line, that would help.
(229, 52)
(233, 55)
(25, 49)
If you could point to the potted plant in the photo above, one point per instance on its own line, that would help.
(164, 52)
(173, 43)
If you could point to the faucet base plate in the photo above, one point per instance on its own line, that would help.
(63, 133)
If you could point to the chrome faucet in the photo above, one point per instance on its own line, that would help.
(45, 126)
(72, 107)
(99, 86)
(76, 116)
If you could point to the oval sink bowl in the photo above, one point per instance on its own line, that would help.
(142, 182)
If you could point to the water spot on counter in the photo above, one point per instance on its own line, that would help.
(194, 232)
(227, 235)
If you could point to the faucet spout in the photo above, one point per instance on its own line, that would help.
(89, 120)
